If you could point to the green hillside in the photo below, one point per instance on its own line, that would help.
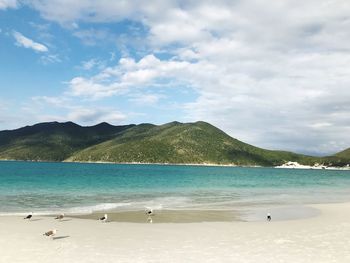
(344, 154)
(53, 141)
(174, 142)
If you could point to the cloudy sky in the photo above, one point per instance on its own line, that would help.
(275, 74)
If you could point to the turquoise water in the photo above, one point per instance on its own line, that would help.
(85, 188)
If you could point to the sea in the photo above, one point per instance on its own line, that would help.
(81, 188)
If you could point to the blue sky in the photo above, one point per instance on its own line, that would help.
(274, 74)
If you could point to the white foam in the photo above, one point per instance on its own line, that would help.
(97, 208)
(72, 210)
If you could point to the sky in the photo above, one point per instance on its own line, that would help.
(275, 74)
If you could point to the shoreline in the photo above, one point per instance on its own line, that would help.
(283, 166)
(281, 213)
(321, 239)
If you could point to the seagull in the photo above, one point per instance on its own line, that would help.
(149, 212)
(50, 233)
(29, 216)
(268, 217)
(104, 218)
(60, 217)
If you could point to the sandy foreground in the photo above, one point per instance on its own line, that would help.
(324, 238)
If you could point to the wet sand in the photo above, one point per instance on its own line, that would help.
(168, 216)
(198, 216)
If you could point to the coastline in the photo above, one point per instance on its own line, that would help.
(281, 213)
(323, 238)
(284, 166)
(192, 215)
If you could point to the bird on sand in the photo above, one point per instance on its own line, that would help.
(268, 217)
(149, 212)
(29, 216)
(60, 217)
(104, 218)
(50, 233)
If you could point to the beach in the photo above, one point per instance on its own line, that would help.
(202, 214)
(322, 238)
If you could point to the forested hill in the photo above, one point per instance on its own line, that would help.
(195, 143)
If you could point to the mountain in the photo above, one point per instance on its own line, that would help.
(174, 142)
(53, 141)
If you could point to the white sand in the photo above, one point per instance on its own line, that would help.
(325, 238)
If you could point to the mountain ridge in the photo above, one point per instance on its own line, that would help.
(174, 142)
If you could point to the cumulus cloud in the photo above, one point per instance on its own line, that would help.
(274, 73)
(25, 42)
(92, 88)
(127, 75)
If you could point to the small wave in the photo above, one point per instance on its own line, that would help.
(167, 202)
(70, 210)
(13, 214)
(156, 203)
(96, 208)
(36, 213)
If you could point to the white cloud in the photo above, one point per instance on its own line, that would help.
(23, 41)
(91, 88)
(126, 76)
(273, 73)
(4, 4)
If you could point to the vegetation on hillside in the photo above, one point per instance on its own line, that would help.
(174, 142)
(53, 141)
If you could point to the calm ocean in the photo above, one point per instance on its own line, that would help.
(84, 188)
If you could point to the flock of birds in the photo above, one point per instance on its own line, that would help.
(51, 233)
(148, 211)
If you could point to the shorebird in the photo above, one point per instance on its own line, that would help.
(104, 218)
(50, 233)
(268, 217)
(60, 217)
(149, 212)
(29, 216)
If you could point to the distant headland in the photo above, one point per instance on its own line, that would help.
(197, 143)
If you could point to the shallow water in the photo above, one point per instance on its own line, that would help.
(49, 188)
